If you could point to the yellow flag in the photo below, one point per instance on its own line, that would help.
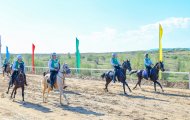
(160, 42)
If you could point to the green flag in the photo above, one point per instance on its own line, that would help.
(77, 54)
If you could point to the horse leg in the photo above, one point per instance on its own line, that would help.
(43, 94)
(3, 74)
(128, 86)
(49, 89)
(106, 85)
(23, 93)
(160, 85)
(140, 83)
(12, 92)
(8, 89)
(60, 87)
(154, 86)
(124, 88)
(139, 80)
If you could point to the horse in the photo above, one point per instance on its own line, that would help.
(121, 75)
(19, 82)
(154, 75)
(59, 84)
(7, 70)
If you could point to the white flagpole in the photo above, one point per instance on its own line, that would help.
(0, 56)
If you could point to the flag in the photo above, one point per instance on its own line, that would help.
(33, 66)
(160, 43)
(77, 54)
(0, 54)
(7, 53)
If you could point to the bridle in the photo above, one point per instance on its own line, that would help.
(60, 76)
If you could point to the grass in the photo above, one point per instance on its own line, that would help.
(174, 60)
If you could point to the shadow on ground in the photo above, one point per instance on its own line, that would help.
(80, 110)
(35, 106)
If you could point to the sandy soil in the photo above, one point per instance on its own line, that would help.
(88, 101)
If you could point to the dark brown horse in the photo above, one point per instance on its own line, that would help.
(154, 75)
(121, 75)
(7, 70)
(19, 82)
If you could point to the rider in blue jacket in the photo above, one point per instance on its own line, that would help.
(148, 64)
(18, 64)
(54, 67)
(115, 64)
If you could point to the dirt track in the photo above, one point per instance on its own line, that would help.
(89, 101)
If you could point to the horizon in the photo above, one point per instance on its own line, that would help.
(150, 50)
(100, 26)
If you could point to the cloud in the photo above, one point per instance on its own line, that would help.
(145, 37)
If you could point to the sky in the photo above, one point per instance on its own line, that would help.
(100, 25)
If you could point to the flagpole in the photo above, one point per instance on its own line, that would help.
(33, 64)
(160, 48)
(0, 55)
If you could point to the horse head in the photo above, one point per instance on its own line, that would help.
(127, 65)
(160, 66)
(66, 68)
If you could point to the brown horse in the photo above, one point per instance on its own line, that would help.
(154, 75)
(19, 82)
(7, 70)
(59, 84)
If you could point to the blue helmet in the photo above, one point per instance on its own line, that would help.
(114, 54)
(146, 55)
(54, 54)
(19, 57)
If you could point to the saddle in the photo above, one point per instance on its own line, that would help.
(145, 74)
(110, 74)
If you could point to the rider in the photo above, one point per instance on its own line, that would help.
(115, 64)
(6, 61)
(16, 65)
(54, 67)
(148, 64)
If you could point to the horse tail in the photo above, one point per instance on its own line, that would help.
(133, 71)
(103, 75)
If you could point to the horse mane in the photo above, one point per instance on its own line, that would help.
(156, 65)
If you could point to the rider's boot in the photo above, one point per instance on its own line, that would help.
(114, 78)
(11, 82)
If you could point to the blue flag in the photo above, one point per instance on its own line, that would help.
(7, 53)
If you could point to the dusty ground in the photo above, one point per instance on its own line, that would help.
(89, 101)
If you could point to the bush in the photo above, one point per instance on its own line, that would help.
(174, 57)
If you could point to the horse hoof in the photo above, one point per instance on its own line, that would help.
(125, 93)
(65, 87)
(7, 92)
(13, 99)
(68, 103)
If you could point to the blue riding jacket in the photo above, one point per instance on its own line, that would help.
(147, 62)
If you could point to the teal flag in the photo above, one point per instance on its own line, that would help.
(7, 53)
(77, 54)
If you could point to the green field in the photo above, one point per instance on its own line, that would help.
(177, 60)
